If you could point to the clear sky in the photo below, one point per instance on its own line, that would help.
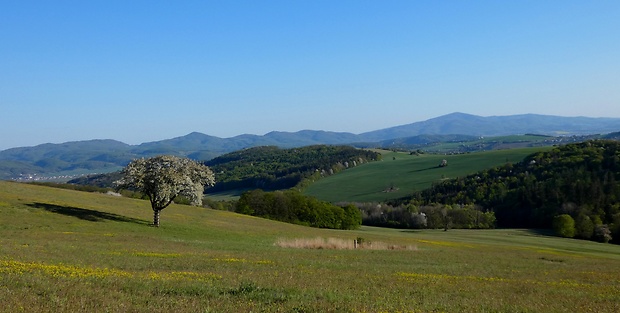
(139, 71)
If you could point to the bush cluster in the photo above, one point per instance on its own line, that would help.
(292, 207)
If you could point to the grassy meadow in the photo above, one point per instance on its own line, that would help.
(71, 251)
(399, 174)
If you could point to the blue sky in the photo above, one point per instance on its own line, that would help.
(139, 71)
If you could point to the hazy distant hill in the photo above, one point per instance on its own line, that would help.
(96, 156)
(467, 124)
(70, 157)
(108, 155)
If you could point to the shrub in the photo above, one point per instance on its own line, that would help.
(602, 233)
(584, 226)
(564, 225)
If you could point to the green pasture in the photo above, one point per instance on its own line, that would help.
(71, 251)
(399, 174)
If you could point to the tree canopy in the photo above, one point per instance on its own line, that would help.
(165, 177)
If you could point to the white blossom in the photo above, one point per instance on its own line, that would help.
(163, 178)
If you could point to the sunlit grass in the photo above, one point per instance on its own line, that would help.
(68, 251)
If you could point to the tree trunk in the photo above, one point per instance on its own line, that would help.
(156, 218)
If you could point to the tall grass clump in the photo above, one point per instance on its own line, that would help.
(339, 244)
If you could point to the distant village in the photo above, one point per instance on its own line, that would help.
(51, 178)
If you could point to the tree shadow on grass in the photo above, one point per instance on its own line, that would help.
(425, 169)
(412, 231)
(86, 214)
(539, 232)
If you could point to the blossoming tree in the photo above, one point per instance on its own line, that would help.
(165, 177)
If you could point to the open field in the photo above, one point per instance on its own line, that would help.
(407, 173)
(70, 251)
(490, 143)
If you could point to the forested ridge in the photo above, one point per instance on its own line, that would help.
(272, 168)
(579, 180)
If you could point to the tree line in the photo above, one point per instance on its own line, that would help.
(578, 180)
(292, 207)
(434, 216)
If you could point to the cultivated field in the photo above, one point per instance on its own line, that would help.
(69, 251)
(400, 173)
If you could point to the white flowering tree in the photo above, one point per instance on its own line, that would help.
(165, 177)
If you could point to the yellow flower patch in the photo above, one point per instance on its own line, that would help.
(69, 271)
(158, 255)
(414, 276)
(184, 276)
(235, 260)
(59, 270)
(445, 243)
(560, 283)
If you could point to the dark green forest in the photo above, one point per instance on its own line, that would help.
(576, 180)
(272, 168)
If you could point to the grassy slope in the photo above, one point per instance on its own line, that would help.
(63, 250)
(407, 173)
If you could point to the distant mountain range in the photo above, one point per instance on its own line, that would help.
(473, 125)
(97, 156)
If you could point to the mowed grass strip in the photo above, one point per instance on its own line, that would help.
(69, 251)
(399, 174)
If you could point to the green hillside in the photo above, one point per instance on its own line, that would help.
(399, 174)
(272, 168)
(580, 180)
(70, 251)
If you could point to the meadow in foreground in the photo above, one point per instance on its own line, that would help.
(63, 250)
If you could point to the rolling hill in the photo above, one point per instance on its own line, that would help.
(97, 156)
(69, 251)
(400, 174)
(473, 125)
(578, 179)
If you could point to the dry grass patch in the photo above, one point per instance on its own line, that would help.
(339, 244)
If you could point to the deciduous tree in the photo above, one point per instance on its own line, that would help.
(163, 178)
(564, 225)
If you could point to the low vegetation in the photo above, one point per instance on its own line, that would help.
(292, 207)
(338, 244)
(72, 251)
